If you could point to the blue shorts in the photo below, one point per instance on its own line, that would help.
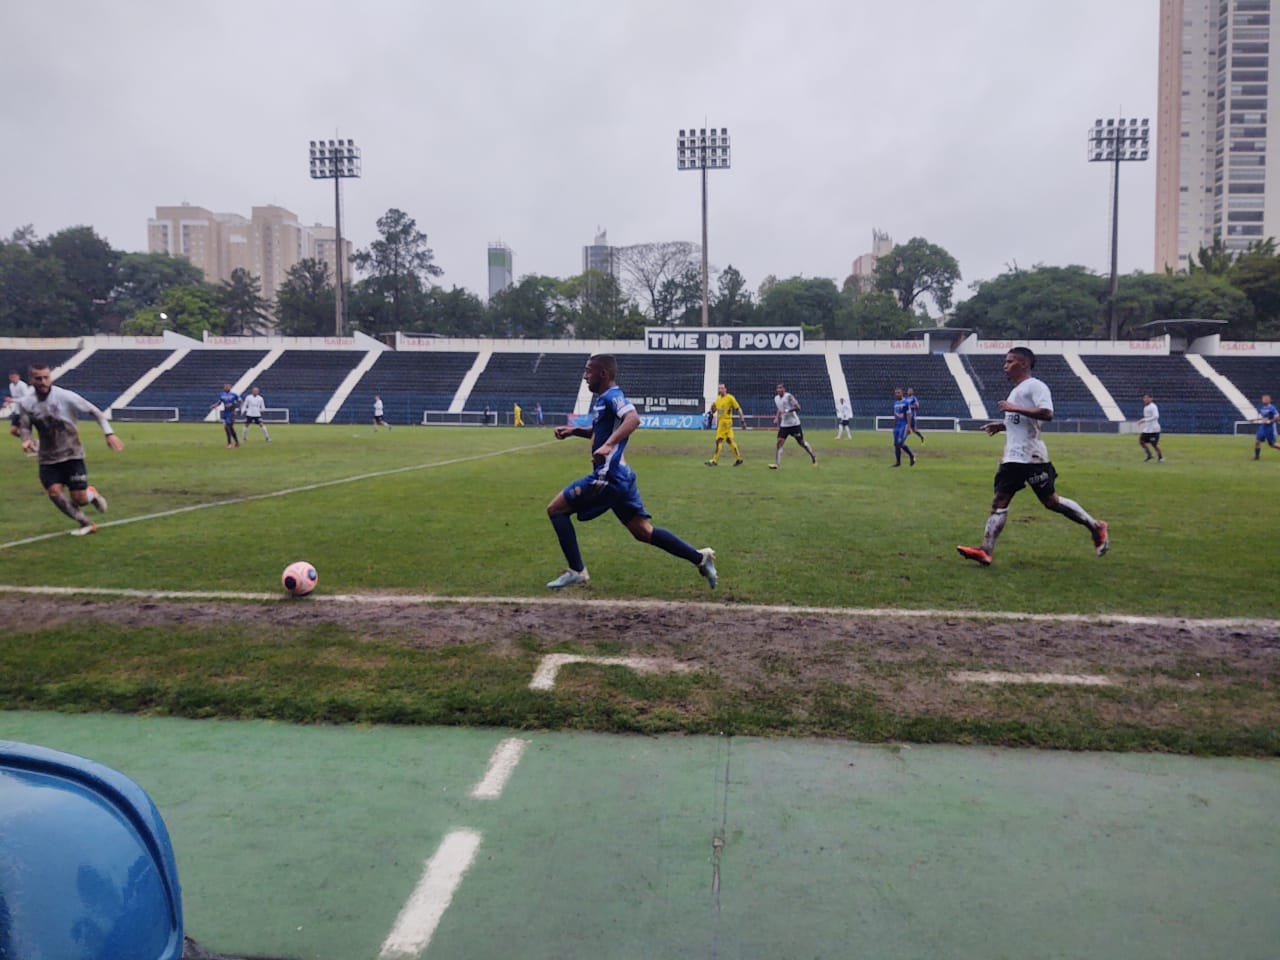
(589, 499)
(899, 436)
(1266, 433)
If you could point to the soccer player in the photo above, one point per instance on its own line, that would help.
(378, 419)
(54, 413)
(517, 420)
(901, 424)
(723, 406)
(1149, 429)
(788, 420)
(844, 416)
(611, 484)
(537, 413)
(17, 390)
(914, 402)
(1026, 459)
(229, 401)
(253, 405)
(1268, 416)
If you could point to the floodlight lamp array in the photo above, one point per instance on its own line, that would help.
(334, 158)
(702, 148)
(1113, 140)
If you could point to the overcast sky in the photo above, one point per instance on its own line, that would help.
(535, 122)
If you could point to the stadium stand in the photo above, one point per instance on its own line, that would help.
(551, 379)
(194, 383)
(1072, 399)
(1188, 402)
(655, 375)
(409, 384)
(872, 378)
(302, 381)
(20, 360)
(752, 379)
(105, 374)
(1253, 376)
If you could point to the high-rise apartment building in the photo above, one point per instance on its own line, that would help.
(863, 272)
(1213, 162)
(600, 257)
(267, 244)
(501, 261)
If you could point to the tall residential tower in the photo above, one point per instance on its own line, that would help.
(1214, 164)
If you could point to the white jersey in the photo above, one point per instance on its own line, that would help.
(1150, 422)
(1022, 443)
(844, 411)
(377, 408)
(18, 390)
(786, 405)
(56, 420)
(253, 405)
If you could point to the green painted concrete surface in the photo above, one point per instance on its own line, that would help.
(306, 841)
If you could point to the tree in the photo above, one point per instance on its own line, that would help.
(875, 315)
(1255, 272)
(813, 303)
(732, 306)
(453, 313)
(246, 310)
(528, 309)
(916, 268)
(141, 280)
(33, 300)
(1043, 302)
(305, 302)
(646, 267)
(400, 265)
(88, 270)
(1214, 260)
(680, 298)
(189, 310)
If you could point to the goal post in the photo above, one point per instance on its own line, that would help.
(144, 414)
(460, 418)
(275, 414)
(1246, 428)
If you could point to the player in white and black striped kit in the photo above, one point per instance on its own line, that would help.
(1026, 458)
(54, 413)
(252, 407)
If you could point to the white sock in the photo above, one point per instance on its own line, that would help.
(1073, 511)
(995, 523)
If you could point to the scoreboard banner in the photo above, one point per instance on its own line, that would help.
(724, 339)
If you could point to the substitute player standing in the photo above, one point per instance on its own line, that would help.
(253, 405)
(788, 420)
(611, 484)
(1268, 416)
(1026, 459)
(723, 406)
(55, 413)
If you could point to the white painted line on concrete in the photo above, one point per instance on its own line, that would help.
(501, 765)
(997, 676)
(691, 606)
(104, 524)
(544, 678)
(431, 897)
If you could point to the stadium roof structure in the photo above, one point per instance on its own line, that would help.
(1187, 327)
(954, 335)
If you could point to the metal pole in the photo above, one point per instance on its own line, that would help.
(705, 322)
(1115, 244)
(337, 251)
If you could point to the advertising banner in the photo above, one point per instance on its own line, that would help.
(724, 339)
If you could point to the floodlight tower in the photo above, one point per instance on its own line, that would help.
(336, 159)
(703, 149)
(1115, 141)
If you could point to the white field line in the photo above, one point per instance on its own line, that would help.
(425, 907)
(998, 676)
(692, 606)
(544, 678)
(501, 765)
(103, 524)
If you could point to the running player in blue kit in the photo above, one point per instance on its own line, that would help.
(611, 484)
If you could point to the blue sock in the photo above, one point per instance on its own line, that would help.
(563, 524)
(669, 542)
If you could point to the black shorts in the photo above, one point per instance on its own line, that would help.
(14, 418)
(797, 431)
(844, 423)
(1149, 438)
(1012, 477)
(377, 418)
(249, 420)
(71, 474)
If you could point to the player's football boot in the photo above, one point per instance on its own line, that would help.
(99, 501)
(1101, 543)
(85, 530)
(977, 554)
(712, 463)
(773, 466)
(568, 579)
(738, 462)
(708, 565)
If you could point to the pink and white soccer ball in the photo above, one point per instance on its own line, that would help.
(299, 578)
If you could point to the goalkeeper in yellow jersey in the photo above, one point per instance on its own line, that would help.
(723, 406)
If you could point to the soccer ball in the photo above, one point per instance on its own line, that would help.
(299, 578)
